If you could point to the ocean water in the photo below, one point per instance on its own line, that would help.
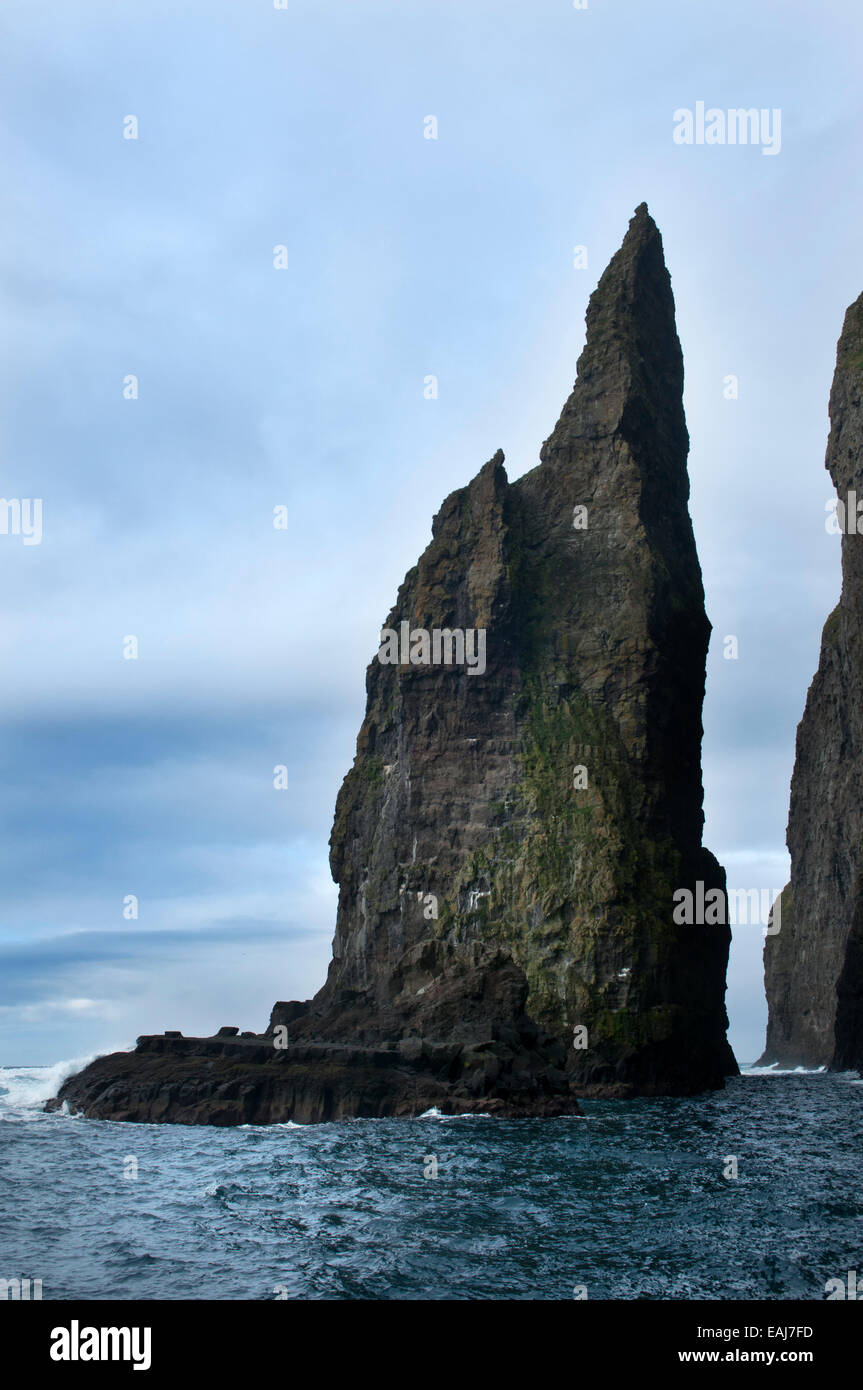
(631, 1201)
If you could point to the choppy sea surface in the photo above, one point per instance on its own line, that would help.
(634, 1200)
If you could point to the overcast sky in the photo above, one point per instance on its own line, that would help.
(304, 387)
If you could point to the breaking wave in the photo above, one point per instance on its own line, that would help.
(25, 1089)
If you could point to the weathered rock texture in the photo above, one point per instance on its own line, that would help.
(489, 906)
(813, 967)
(219, 1081)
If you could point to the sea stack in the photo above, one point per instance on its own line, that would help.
(813, 965)
(525, 805)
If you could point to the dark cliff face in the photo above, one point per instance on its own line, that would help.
(463, 784)
(813, 967)
(511, 835)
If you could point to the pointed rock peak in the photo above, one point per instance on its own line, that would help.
(849, 352)
(633, 300)
(631, 367)
(485, 493)
(474, 504)
(641, 250)
(846, 412)
(490, 479)
(488, 486)
(641, 224)
(494, 465)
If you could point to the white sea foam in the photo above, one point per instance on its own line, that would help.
(279, 1124)
(774, 1069)
(24, 1090)
(435, 1114)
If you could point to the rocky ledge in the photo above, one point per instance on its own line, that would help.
(506, 1068)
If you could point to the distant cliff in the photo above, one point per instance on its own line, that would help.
(526, 797)
(813, 966)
